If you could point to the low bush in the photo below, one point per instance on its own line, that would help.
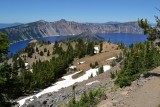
(89, 99)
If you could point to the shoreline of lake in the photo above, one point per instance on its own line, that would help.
(126, 39)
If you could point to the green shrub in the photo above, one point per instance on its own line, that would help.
(89, 99)
(91, 76)
(124, 81)
(112, 75)
(113, 63)
(138, 59)
(96, 64)
(91, 65)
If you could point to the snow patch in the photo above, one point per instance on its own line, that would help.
(92, 82)
(82, 62)
(111, 58)
(72, 67)
(65, 83)
(26, 64)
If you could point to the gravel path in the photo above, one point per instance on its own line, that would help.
(142, 93)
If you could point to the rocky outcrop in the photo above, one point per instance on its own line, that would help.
(56, 98)
(44, 29)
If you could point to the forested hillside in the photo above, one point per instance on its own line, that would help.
(41, 73)
(141, 58)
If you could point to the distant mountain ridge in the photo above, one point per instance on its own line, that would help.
(5, 25)
(62, 27)
(107, 23)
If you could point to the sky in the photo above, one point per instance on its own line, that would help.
(95, 11)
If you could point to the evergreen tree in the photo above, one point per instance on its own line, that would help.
(3, 46)
(100, 70)
(90, 48)
(96, 64)
(21, 63)
(45, 49)
(8, 82)
(41, 53)
(37, 50)
(91, 65)
(113, 63)
(48, 53)
(101, 47)
(140, 58)
(152, 32)
(15, 66)
(74, 94)
(112, 75)
(55, 47)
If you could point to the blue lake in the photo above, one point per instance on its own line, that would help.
(126, 39)
(13, 48)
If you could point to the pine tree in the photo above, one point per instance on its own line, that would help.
(37, 50)
(8, 83)
(48, 53)
(41, 53)
(74, 94)
(101, 47)
(3, 46)
(96, 64)
(45, 49)
(100, 70)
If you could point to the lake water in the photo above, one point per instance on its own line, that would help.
(126, 39)
(13, 48)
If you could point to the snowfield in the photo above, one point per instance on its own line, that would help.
(65, 83)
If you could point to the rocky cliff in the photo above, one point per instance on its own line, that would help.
(44, 29)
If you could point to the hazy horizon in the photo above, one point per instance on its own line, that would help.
(68, 20)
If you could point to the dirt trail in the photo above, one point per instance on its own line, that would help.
(147, 95)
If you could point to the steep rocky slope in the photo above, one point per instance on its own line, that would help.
(44, 29)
